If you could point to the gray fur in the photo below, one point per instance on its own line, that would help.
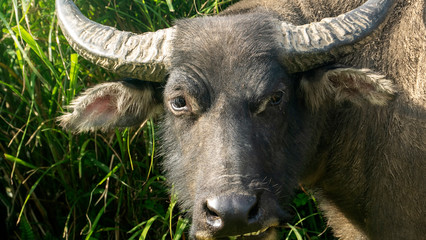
(353, 132)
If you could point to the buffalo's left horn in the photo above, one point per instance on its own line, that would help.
(312, 45)
(145, 56)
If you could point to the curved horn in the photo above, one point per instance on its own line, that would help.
(312, 45)
(144, 55)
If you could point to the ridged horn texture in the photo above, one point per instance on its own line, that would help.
(145, 56)
(312, 45)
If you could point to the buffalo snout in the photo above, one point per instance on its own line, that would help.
(232, 213)
(239, 215)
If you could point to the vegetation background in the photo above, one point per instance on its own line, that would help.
(56, 185)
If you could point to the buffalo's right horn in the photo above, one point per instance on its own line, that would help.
(315, 44)
(145, 56)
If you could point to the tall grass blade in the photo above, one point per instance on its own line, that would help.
(35, 186)
(98, 217)
(152, 139)
(295, 231)
(170, 5)
(75, 67)
(19, 161)
(180, 228)
(18, 44)
(147, 227)
(36, 48)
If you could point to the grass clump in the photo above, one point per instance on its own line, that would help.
(57, 185)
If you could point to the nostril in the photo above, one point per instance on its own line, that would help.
(254, 212)
(212, 215)
(212, 207)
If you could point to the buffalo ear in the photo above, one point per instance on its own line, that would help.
(114, 104)
(342, 84)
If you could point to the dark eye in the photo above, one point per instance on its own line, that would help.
(276, 98)
(179, 104)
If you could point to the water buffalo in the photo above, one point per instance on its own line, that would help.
(270, 94)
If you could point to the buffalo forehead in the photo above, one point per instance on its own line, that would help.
(229, 52)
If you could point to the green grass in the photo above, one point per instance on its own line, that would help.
(57, 185)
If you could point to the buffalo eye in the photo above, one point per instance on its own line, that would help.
(272, 100)
(179, 104)
(276, 98)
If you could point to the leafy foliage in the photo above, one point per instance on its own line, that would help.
(93, 186)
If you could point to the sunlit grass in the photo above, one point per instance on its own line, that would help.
(92, 186)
